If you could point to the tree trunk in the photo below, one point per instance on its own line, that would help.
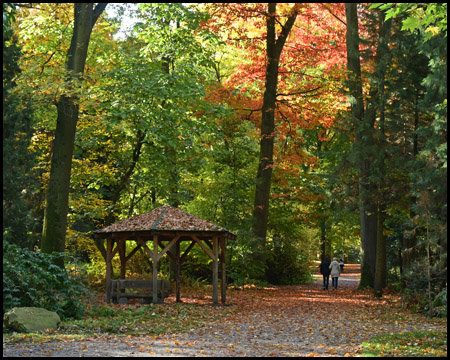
(323, 239)
(381, 267)
(409, 237)
(382, 58)
(368, 208)
(325, 244)
(274, 48)
(55, 217)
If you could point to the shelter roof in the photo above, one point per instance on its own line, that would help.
(165, 218)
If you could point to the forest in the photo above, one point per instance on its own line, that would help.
(307, 130)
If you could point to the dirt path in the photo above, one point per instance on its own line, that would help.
(301, 320)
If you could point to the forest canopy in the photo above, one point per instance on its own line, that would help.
(307, 129)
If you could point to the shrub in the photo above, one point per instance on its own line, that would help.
(30, 278)
(285, 265)
(243, 269)
(440, 303)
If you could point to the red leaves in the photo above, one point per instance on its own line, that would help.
(310, 69)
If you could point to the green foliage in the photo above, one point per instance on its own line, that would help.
(440, 303)
(19, 184)
(430, 18)
(416, 291)
(410, 344)
(179, 32)
(165, 86)
(31, 278)
(290, 248)
(242, 268)
(197, 266)
(9, 10)
(286, 265)
(222, 181)
(366, 280)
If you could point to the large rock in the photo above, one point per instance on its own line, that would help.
(31, 319)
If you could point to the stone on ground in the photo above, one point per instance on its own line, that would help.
(31, 319)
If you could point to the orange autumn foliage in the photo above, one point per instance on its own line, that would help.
(310, 71)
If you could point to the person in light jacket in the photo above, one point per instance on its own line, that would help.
(334, 267)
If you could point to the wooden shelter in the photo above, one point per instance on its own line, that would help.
(164, 228)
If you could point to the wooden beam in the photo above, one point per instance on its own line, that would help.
(161, 246)
(207, 251)
(155, 269)
(169, 254)
(178, 271)
(223, 284)
(215, 274)
(191, 245)
(122, 251)
(138, 246)
(207, 242)
(144, 245)
(168, 246)
(109, 245)
(119, 244)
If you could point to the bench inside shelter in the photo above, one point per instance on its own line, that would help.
(142, 289)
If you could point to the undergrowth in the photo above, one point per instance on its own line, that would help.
(410, 344)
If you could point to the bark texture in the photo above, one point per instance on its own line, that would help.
(274, 48)
(55, 218)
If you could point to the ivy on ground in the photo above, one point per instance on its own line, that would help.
(31, 278)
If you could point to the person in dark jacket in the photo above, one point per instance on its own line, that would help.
(325, 271)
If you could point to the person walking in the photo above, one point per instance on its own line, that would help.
(325, 271)
(334, 267)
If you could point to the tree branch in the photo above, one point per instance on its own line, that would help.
(301, 92)
(97, 12)
(286, 28)
(325, 6)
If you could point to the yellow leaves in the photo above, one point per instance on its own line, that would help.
(434, 30)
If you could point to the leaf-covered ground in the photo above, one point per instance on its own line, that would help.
(301, 320)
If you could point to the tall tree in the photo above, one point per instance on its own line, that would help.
(274, 47)
(363, 143)
(55, 218)
(303, 92)
(382, 59)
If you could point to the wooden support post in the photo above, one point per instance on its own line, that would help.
(215, 270)
(223, 283)
(122, 251)
(109, 243)
(155, 269)
(178, 271)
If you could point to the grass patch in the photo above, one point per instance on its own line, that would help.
(39, 337)
(128, 320)
(416, 343)
(145, 319)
